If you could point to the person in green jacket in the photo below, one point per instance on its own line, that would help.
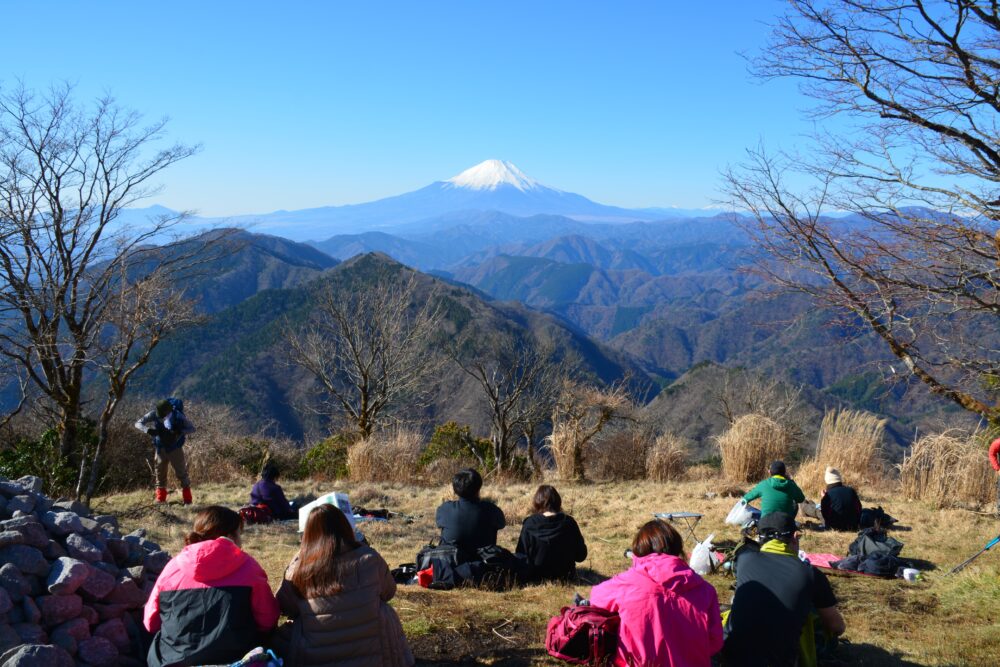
(777, 493)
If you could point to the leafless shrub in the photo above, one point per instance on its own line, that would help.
(749, 445)
(617, 456)
(851, 441)
(385, 457)
(948, 468)
(581, 413)
(746, 393)
(666, 458)
(440, 471)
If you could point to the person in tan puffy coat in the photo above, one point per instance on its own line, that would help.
(336, 593)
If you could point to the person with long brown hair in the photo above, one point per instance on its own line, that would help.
(669, 614)
(336, 591)
(551, 540)
(212, 603)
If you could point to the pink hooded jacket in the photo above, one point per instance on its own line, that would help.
(670, 615)
(214, 564)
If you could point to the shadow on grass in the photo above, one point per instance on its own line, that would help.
(515, 657)
(868, 655)
(587, 577)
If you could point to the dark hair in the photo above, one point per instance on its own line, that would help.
(270, 472)
(214, 522)
(328, 534)
(547, 499)
(466, 483)
(658, 537)
(778, 468)
(164, 408)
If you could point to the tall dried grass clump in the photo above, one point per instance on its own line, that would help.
(385, 457)
(853, 442)
(948, 468)
(666, 458)
(566, 456)
(749, 445)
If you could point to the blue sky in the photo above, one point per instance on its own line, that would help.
(303, 104)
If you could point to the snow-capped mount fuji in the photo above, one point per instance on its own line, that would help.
(492, 174)
(490, 186)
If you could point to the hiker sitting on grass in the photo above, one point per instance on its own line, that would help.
(212, 602)
(841, 507)
(669, 614)
(268, 492)
(550, 539)
(777, 493)
(336, 592)
(775, 596)
(469, 523)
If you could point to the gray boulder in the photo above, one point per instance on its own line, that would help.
(127, 593)
(58, 609)
(109, 520)
(33, 533)
(6, 604)
(89, 614)
(14, 582)
(10, 489)
(53, 550)
(137, 573)
(74, 506)
(32, 614)
(98, 651)
(3, 506)
(63, 640)
(30, 483)
(156, 561)
(28, 560)
(80, 547)
(98, 583)
(8, 638)
(22, 503)
(66, 575)
(107, 611)
(89, 525)
(114, 631)
(10, 538)
(30, 633)
(62, 523)
(37, 655)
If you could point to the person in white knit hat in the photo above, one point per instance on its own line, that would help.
(841, 507)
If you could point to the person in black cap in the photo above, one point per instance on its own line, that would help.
(775, 593)
(777, 493)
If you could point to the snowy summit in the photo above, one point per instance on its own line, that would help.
(491, 174)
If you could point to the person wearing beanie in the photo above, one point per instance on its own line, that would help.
(840, 507)
(775, 595)
(168, 427)
(777, 493)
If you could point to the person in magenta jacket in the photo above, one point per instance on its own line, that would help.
(669, 614)
(212, 603)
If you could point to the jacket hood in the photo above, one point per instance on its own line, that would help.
(547, 526)
(669, 572)
(779, 483)
(212, 559)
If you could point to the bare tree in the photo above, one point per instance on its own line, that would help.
(745, 393)
(918, 262)
(582, 411)
(519, 381)
(369, 347)
(66, 172)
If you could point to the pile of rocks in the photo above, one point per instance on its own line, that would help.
(72, 587)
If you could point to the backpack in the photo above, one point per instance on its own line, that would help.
(871, 541)
(583, 635)
(880, 564)
(256, 514)
(177, 404)
(445, 552)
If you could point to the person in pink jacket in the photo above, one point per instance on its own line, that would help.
(669, 614)
(212, 603)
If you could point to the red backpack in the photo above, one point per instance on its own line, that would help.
(256, 514)
(583, 635)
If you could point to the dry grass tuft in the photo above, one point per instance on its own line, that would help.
(386, 457)
(947, 469)
(853, 442)
(564, 451)
(750, 444)
(666, 458)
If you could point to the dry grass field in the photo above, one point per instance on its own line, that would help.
(941, 620)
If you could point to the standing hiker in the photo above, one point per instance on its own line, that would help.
(169, 427)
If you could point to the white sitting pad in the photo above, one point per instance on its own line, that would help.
(340, 500)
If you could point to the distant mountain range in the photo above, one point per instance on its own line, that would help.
(492, 185)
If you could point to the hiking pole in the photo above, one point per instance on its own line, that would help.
(992, 543)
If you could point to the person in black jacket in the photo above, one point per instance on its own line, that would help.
(469, 523)
(551, 540)
(841, 507)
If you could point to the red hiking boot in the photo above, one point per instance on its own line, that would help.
(161, 494)
(186, 493)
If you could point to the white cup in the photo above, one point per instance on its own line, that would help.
(910, 574)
